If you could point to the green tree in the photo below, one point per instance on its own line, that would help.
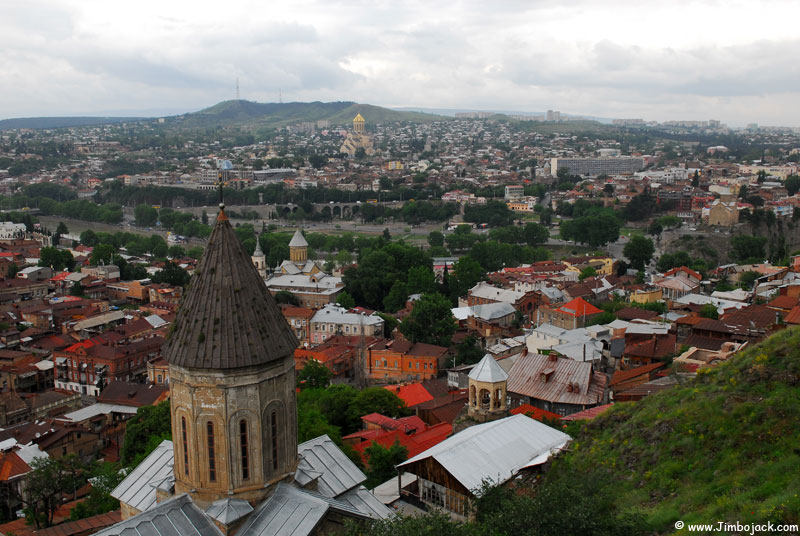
(62, 229)
(314, 375)
(105, 477)
(55, 258)
(50, 479)
(792, 184)
(284, 296)
(709, 311)
(435, 238)
(536, 234)
(317, 160)
(102, 254)
(421, 280)
(144, 431)
(430, 321)
(375, 400)
(381, 462)
(655, 228)
(171, 274)
(13, 270)
(346, 300)
(748, 278)
(587, 272)
(639, 250)
(146, 215)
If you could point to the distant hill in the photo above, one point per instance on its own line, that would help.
(722, 447)
(243, 112)
(61, 122)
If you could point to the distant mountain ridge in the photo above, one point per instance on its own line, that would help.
(243, 113)
(43, 123)
(274, 114)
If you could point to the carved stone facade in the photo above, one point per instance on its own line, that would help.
(251, 416)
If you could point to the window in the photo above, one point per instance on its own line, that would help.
(243, 443)
(212, 462)
(274, 426)
(185, 449)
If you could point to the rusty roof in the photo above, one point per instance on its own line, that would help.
(227, 318)
(525, 378)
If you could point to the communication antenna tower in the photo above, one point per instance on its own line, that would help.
(280, 96)
(237, 89)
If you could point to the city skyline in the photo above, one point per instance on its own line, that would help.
(684, 61)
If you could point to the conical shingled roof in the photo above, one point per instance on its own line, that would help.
(298, 240)
(227, 318)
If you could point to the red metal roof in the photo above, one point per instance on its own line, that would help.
(412, 394)
(624, 375)
(587, 414)
(535, 413)
(12, 465)
(579, 307)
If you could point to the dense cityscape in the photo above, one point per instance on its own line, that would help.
(460, 299)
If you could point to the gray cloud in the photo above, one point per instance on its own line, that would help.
(615, 59)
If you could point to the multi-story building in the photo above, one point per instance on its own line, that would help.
(299, 318)
(592, 167)
(401, 360)
(335, 320)
(88, 366)
(514, 191)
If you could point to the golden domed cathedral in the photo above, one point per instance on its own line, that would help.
(234, 463)
(357, 139)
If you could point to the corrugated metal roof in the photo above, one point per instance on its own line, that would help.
(365, 502)
(290, 511)
(493, 451)
(524, 378)
(226, 511)
(338, 473)
(487, 370)
(178, 516)
(136, 489)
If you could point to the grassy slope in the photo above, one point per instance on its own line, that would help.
(243, 112)
(724, 447)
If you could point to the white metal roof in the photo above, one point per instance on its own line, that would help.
(487, 370)
(136, 489)
(94, 410)
(494, 451)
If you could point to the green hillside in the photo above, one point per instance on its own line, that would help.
(723, 447)
(256, 114)
(61, 122)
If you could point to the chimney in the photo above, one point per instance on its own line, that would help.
(569, 387)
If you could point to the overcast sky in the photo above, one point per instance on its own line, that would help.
(732, 61)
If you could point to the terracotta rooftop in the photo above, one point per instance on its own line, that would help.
(227, 318)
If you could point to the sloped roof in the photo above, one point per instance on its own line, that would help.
(292, 512)
(338, 473)
(587, 414)
(177, 516)
(136, 489)
(579, 307)
(298, 240)
(625, 375)
(535, 413)
(227, 318)
(412, 394)
(493, 451)
(487, 370)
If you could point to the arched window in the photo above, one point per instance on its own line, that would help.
(274, 427)
(185, 447)
(243, 443)
(212, 462)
